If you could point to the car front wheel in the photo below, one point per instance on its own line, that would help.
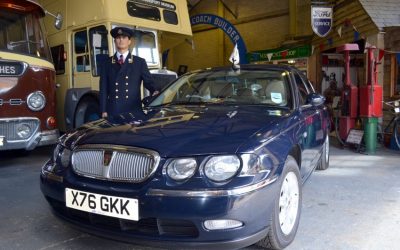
(287, 207)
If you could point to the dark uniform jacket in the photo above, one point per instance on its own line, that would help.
(120, 85)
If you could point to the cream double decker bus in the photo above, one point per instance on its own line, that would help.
(83, 43)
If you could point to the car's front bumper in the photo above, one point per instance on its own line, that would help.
(170, 219)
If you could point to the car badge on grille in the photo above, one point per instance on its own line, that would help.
(107, 156)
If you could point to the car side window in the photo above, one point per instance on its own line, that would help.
(303, 90)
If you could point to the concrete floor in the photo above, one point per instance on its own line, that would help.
(355, 204)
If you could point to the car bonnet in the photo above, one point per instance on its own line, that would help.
(182, 130)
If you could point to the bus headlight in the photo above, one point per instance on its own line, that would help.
(36, 101)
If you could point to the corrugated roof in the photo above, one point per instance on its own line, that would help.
(384, 13)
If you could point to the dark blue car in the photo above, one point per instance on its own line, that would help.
(217, 160)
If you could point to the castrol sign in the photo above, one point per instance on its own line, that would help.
(321, 20)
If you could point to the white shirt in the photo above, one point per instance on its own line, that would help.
(124, 55)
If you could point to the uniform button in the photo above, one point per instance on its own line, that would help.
(126, 84)
(126, 90)
(116, 97)
(126, 97)
(116, 84)
(116, 90)
(126, 77)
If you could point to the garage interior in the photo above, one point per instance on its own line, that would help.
(355, 204)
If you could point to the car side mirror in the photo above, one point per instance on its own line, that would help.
(315, 99)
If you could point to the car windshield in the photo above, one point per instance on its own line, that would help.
(255, 87)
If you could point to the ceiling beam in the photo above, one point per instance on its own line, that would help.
(228, 9)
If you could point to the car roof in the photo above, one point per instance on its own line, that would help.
(250, 67)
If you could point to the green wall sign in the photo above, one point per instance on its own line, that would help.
(279, 54)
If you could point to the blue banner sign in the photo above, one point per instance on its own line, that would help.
(321, 20)
(227, 27)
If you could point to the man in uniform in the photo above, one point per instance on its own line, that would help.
(121, 77)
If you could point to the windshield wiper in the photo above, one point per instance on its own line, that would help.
(177, 103)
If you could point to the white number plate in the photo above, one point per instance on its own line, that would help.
(119, 207)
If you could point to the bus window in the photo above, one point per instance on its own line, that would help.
(57, 53)
(81, 49)
(143, 11)
(80, 42)
(170, 17)
(82, 63)
(146, 47)
(23, 33)
(99, 48)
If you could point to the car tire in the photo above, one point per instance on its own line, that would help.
(285, 217)
(323, 163)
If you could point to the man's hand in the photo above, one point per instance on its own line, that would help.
(104, 115)
(155, 93)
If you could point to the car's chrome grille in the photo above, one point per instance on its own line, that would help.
(115, 163)
(9, 127)
(88, 163)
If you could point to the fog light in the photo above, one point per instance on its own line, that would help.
(222, 224)
(23, 131)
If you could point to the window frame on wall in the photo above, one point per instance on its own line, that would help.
(394, 77)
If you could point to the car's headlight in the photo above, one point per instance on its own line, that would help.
(65, 157)
(221, 168)
(253, 164)
(181, 169)
(56, 152)
(62, 156)
(36, 101)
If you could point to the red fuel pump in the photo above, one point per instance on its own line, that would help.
(371, 94)
(371, 103)
(349, 97)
